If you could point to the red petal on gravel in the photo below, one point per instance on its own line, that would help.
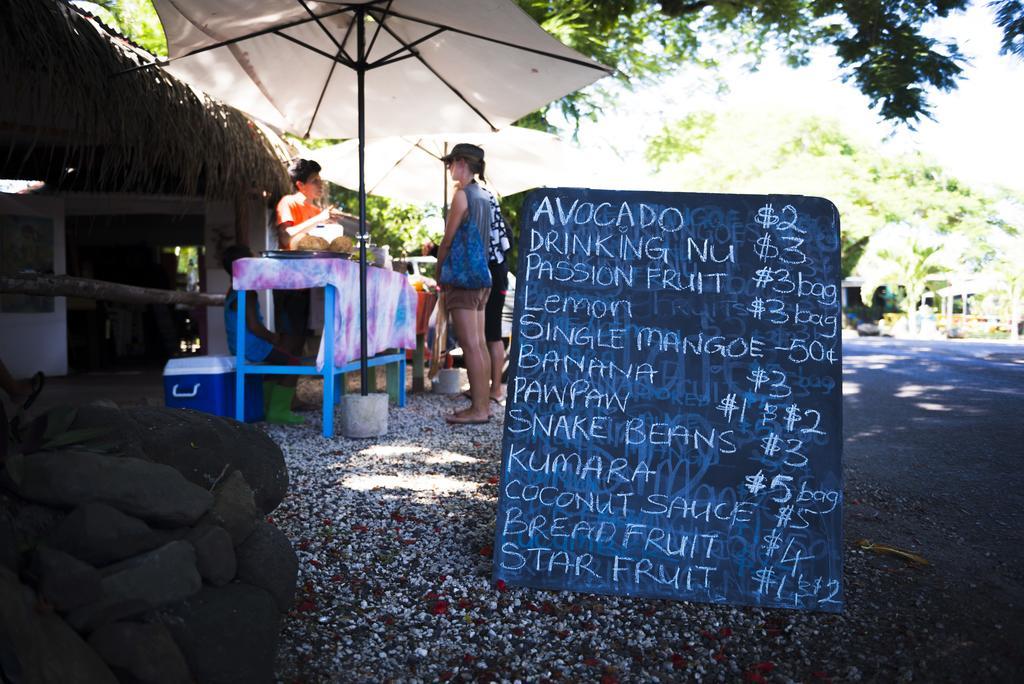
(518, 631)
(440, 607)
(485, 550)
(315, 563)
(608, 678)
(360, 528)
(720, 656)
(389, 620)
(303, 544)
(500, 585)
(492, 480)
(327, 522)
(442, 578)
(468, 659)
(446, 675)
(678, 661)
(398, 517)
(766, 666)
(307, 606)
(464, 603)
(430, 596)
(725, 632)
(706, 634)
(820, 674)
(755, 677)
(593, 662)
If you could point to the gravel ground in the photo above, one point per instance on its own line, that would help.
(394, 540)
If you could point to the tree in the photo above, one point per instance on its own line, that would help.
(135, 18)
(882, 45)
(1010, 18)
(1005, 265)
(777, 152)
(908, 263)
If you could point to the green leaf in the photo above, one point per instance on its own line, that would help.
(58, 421)
(76, 437)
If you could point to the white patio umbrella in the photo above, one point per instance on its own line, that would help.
(362, 68)
(405, 167)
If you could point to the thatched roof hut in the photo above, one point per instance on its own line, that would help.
(70, 118)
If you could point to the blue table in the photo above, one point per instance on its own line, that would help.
(330, 372)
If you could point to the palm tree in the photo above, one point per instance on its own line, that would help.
(908, 264)
(1008, 268)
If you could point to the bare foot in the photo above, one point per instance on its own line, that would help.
(468, 418)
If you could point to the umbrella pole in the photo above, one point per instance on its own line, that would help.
(444, 186)
(360, 17)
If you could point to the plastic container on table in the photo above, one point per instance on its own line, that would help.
(207, 383)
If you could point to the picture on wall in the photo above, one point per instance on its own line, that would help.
(26, 246)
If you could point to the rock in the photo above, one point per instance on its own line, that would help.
(266, 559)
(150, 491)
(66, 582)
(228, 634)
(34, 522)
(234, 507)
(200, 446)
(215, 554)
(101, 534)
(39, 647)
(8, 543)
(142, 583)
(139, 652)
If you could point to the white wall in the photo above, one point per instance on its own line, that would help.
(220, 233)
(31, 342)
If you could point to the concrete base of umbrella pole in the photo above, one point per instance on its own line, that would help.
(364, 416)
(449, 381)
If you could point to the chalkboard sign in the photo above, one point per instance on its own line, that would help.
(673, 416)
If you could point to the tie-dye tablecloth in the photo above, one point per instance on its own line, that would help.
(390, 300)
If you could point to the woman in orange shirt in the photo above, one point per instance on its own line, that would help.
(296, 215)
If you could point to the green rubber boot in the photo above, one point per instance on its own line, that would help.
(268, 390)
(280, 410)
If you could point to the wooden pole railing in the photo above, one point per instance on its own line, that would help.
(87, 288)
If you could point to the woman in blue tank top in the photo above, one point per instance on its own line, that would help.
(465, 163)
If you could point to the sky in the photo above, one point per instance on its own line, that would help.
(976, 132)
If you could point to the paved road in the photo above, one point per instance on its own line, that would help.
(934, 435)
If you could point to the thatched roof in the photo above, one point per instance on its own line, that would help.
(64, 106)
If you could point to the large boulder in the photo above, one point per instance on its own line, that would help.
(215, 554)
(33, 522)
(8, 542)
(101, 534)
(151, 491)
(228, 634)
(140, 584)
(266, 559)
(63, 580)
(142, 653)
(201, 446)
(234, 507)
(37, 646)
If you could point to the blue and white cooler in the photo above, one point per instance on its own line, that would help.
(207, 383)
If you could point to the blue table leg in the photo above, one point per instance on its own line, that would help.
(401, 380)
(240, 357)
(330, 293)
